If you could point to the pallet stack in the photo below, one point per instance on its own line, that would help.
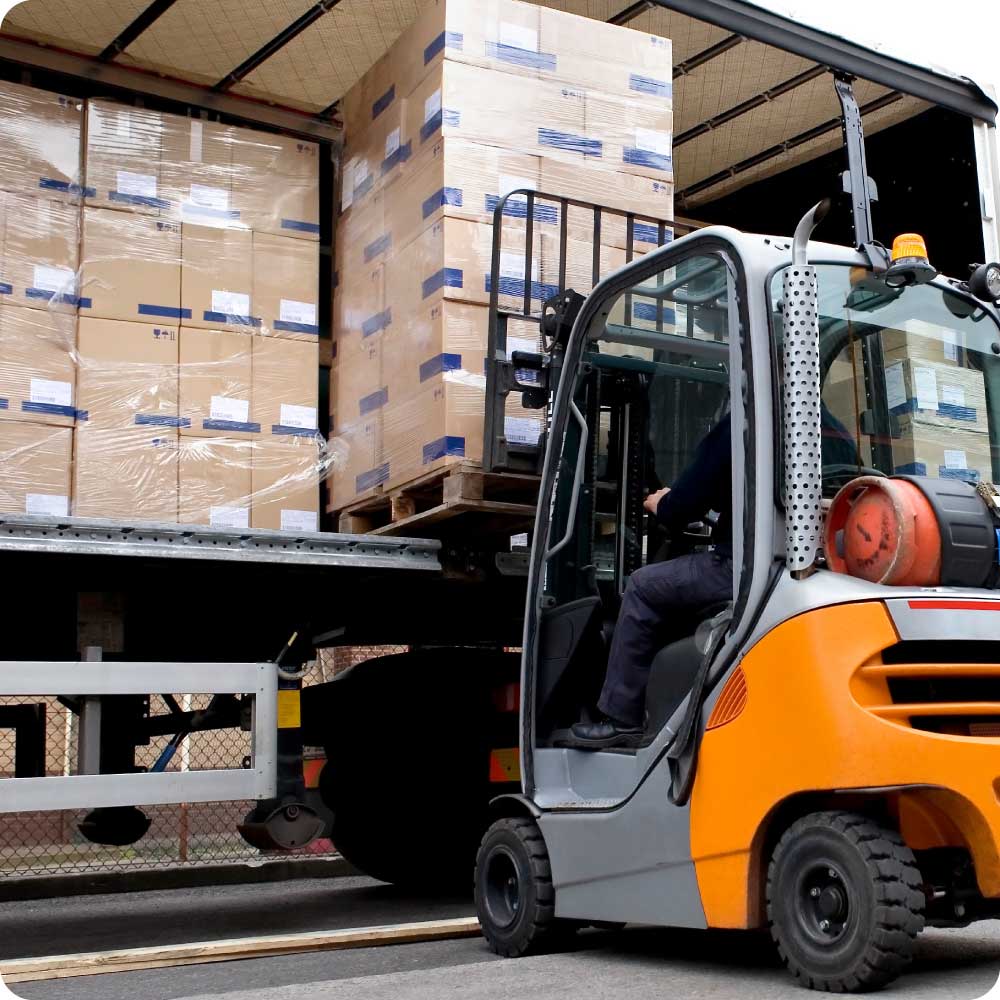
(171, 269)
(477, 99)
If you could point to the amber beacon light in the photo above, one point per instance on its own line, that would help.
(910, 264)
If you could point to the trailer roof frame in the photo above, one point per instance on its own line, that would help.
(739, 17)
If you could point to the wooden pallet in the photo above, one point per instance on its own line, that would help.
(494, 501)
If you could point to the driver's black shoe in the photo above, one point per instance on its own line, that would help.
(605, 734)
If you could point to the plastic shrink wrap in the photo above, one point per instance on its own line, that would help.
(160, 312)
(480, 102)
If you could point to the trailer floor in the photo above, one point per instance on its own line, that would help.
(633, 965)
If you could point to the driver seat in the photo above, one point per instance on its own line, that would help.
(674, 670)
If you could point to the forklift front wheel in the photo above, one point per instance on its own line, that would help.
(844, 902)
(515, 901)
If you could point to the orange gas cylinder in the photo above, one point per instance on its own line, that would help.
(890, 533)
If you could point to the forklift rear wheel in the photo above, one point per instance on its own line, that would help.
(515, 901)
(844, 902)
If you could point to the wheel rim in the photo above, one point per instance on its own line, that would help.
(502, 887)
(824, 907)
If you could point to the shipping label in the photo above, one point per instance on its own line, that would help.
(652, 141)
(54, 279)
(522, 430)
(230, 303)
(292, 415)
(299, 520)
(229, 517)
(895, 385)
(392, 142)
(139, 185)
(46, 503)
(291, 311)
(955, 458)
(432, 105)
(215, 198)
(44, 390)
(228, 408)
(925, 388)
(518, 37)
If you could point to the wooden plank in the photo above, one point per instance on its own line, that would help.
(453, 508)
(401, 506)
(26, 970)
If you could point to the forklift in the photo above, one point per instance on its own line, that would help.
(820, 754)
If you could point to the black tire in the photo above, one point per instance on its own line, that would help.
(844, 902)
(515, 901)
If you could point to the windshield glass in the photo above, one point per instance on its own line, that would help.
(910, 379)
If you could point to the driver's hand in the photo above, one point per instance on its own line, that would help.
(653, 500)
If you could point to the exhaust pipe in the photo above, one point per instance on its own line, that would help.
(803, 430)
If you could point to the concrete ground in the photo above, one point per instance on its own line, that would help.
(636, 963)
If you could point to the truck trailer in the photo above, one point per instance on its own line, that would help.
(458, 741)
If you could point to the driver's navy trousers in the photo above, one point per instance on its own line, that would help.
(657, 604)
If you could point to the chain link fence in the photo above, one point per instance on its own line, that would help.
(50, 843)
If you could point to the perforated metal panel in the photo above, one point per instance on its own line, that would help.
(803, 462)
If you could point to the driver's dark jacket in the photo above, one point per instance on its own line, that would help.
(706, 484)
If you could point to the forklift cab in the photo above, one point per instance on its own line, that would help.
(652, 383)
(819, 756)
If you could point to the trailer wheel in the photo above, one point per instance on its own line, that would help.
(844, 902)
(515, 901)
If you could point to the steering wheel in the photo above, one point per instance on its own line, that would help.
(839, 474)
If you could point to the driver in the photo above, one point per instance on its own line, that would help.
(661, 589)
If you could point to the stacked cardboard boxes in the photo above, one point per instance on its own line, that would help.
(478, 100)
(39, 238)
(160, 296)
(937, 398)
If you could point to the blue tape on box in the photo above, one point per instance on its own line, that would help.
(171, 312)
(375, 323)
(383, 102)
(378, 246)
(528, 58)
(4, 404)
(649, 313)
(287, 326)
(400, 155)
(920, 469)
(650, 85)
(360, 190)
(138, 199)
(50, 409)
(951, 410)
(49, 296)
(447, 277)
(85, 302)
(51, 184)
(569, 142)
(510, 285)
(301, 226)
(161, 420)
(517, 208)
(287, 430)
(374, 400)
(446, 116)
(230, 425)
(438, 364)
(217, 317)
(446, 40)
(645, 232)
(371, 478)
(443, 446)
(647, 158)
(8, 289)
(445, 196)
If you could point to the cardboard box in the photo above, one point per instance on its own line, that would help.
(360, 304)
(215, 482)
(649, 199)
(130, 267)
(357, 469)
(127, 375)
(286, 286)
(36, 461)
(40, 153)
(276, 184)
(217, 279)
(216, 384)
(932, 393)
(926, 342)
(514, 38)
(197, 171)
(285, 477)
(37, 366)
(630, 135)
(453, 259)
(377, 156)
(286, 387)
(41, 253)
(125, 472)
(123, 158)
(942, 452)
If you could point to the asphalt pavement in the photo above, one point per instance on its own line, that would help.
(628, 965)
